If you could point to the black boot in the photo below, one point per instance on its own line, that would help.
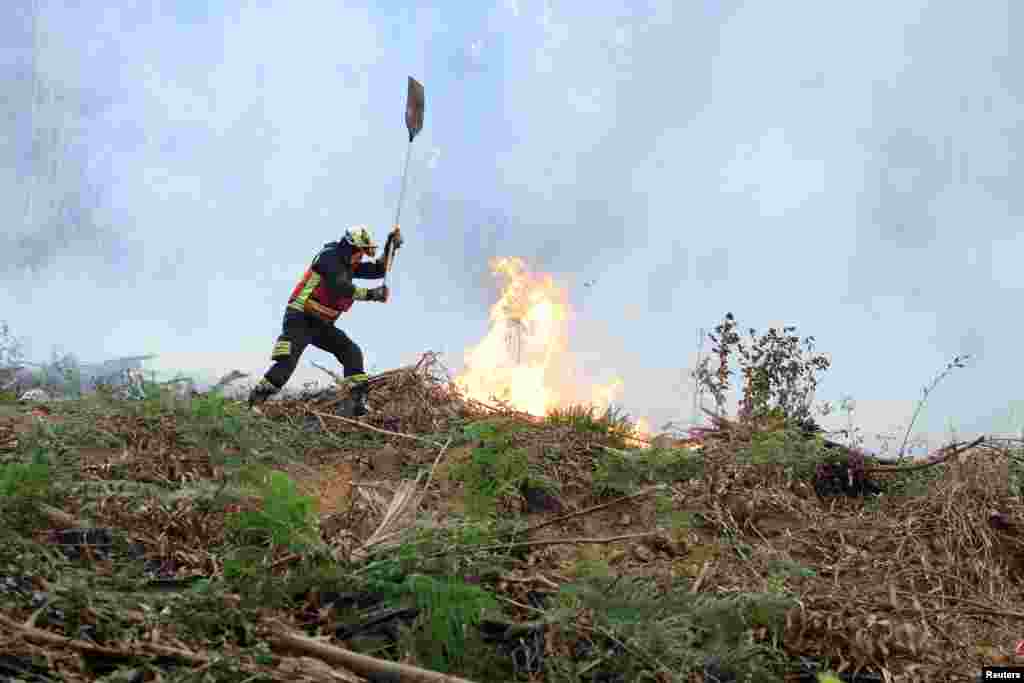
(260, 393)
(360, 405)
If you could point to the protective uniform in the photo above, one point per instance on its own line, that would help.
(324, 292)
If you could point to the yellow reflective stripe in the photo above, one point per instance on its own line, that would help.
(304, 301)
(282, 348)
(307, 290)
(356, 379)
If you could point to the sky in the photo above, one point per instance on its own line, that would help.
(851, 169)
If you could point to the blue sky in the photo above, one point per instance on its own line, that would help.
(851, 169)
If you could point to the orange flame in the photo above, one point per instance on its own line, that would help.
(524, 359)
(642, 430)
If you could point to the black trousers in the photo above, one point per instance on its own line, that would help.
(298, 331)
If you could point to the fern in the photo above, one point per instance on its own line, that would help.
(583, 419)
(22, 486)
(789, 448)
(285, 517)
(621, 472)
(449, 607)
(495, 469)
(452, 606)
(25, 480)
(673, 632)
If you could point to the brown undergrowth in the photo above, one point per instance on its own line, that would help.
(443, 535)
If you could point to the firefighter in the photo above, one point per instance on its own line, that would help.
(324, 292)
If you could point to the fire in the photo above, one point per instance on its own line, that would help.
(642, 433)
(524, 360)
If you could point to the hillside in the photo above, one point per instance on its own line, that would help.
(146, 540)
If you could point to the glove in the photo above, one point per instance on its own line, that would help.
(378, 294)
(396, 238)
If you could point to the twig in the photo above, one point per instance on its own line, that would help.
(536, 578)
(695, 588)
(287, 559)
(369, 667)
(587, 511)
(967, 601)
(40, 636)
(31, 621)
(569, 541)
(338, 379)
(957, 362)
(430, 477)
(921, 466)
(528, 544)
(61, 518)
(357, 423)
(580, 628)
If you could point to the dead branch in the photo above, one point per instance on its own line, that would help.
(695, 588)
(587, 511)
(388, 432)
(953, 451)
(430, 477)
(61, 518)
(372, 668)
(42, 637)
(570, 541)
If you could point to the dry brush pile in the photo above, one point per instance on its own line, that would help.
(448, 535)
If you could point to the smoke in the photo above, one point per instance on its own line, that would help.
(463, 235)
(166, 173)
(48, 197)
(665, 278)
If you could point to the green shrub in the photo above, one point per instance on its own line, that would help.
(496, 468)
(790, 448)
(22, 486)
(619, 472)
(659, 634)
(285, 518)
(778, 371)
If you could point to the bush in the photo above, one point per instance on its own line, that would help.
(622, 472)
(662, 634)
(22, 486)
(779, 372)
(495, 469)
(285, 518)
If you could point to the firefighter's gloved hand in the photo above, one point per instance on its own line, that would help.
(379, 294)
(396, 238)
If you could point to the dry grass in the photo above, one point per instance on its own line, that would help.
(922, 587)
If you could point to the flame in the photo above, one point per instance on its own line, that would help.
(642, 433)
(524, 359)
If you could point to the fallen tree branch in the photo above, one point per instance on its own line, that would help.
(538, 544)
(372, 668)
(954, 451)
(587, 511)
(569, 541)
(388, 432)
(42, 637)
(150, 650)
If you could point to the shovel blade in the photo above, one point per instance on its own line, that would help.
(415, 103)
